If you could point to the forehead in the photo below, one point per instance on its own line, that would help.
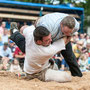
(67, 28)
(5, 45)
(47, 37)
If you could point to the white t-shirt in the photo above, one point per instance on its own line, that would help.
(4, 38)
(37, 56)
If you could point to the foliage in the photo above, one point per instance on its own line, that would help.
(86, 5)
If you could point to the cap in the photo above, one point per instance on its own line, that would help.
(10, 41)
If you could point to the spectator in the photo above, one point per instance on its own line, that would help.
(83, 62)
(87, 37)
(15, 67)
(3, 24)
(5, 36)
(58, 59)
(64, 65)
(88, 46)
(82, 37)
(20, 56)
(84, 50)
(77, 49)
(76, 37)
(5, 53)
(8, 23)
(12, 46)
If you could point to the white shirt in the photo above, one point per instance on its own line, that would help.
(37, 56)
(6, 53)
(52, 23)
(4, 38)
(15, 68)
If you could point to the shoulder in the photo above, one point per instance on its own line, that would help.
(28, 30)
(8, 49)
(32, 27)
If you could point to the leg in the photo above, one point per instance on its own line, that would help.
(71, 60)
(19, 40)
(56, 75)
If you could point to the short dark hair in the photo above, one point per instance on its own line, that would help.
(5, 44)
(40, 32)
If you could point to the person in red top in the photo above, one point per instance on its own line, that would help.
(20, 56)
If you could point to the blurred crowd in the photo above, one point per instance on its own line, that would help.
(81, 48)
(12, 58)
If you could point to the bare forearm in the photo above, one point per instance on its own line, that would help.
(19, 56)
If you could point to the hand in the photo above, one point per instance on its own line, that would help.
(67, 39)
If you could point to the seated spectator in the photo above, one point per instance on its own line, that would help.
(58, 59)
(12, 46)
(82, 37)
(6, 54)
(20, 56)
(77, 49)
(88, 46)
(75, 37)
(15, 67)
(84, 50)
(83, 62)
(3, 24)
(64, 65)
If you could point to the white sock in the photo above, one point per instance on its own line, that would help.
(56, 75)
(15, 30)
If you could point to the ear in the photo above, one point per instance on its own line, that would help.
(61, 24)
(39, 42)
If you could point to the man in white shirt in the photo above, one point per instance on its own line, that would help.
(5, 36)
(38, 51)
(6, 54)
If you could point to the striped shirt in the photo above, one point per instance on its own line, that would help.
(52, 23)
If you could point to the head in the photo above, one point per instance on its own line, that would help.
(5, 46)
(80, 44)
(5, 31)
(83, 57)
(82, 36)
(42, 36)
(11, 43)
(67, 25)
(76, 34)
(15, 62)
(3, 24)
(88, 44)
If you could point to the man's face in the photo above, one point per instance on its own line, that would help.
(46, 41)
(66, 30)
(5, 47)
